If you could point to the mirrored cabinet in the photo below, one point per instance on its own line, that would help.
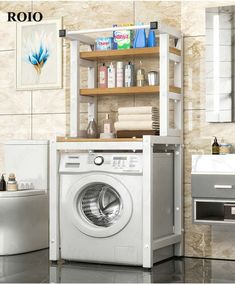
(220, 30)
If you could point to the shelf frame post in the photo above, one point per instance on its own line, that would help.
(54, 236)
(92, 83)
(178, 82)
(178, 199)
(147, 202)
(164, 84)
(74, 88)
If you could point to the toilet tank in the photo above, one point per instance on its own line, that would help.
(28, 159)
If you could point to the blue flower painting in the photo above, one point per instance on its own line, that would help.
(39, 55)
(39, 58)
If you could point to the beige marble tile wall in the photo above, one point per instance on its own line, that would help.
(48, 111)
(200, 241)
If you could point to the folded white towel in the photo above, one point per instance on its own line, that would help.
(138, 117)
(137, 110)
(134, 125)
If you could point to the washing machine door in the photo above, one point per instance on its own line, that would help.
(99, 205)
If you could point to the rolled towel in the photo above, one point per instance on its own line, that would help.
(137, 110)
(134, 125)
(139, 117)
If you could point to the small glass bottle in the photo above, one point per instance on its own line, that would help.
(215, 146)
(140, 75)
(2, 184)
(108, 125)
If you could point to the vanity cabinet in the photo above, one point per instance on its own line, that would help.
(213, 189)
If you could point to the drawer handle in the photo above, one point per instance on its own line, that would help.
(223, 186)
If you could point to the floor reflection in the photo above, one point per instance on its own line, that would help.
(170, 271)
(35, 268)
(25, 268)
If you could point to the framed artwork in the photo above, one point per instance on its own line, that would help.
(39, 55)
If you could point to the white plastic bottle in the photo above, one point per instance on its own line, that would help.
(120, 77)
(111, 76)
(129, 75)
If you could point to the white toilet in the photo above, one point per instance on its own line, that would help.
(24, 213)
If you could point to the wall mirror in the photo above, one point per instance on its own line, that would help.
(220, 31)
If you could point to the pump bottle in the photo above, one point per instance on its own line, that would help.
(215, 146)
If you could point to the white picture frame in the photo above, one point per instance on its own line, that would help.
(39, 55)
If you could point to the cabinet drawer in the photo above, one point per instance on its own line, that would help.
(213, 185)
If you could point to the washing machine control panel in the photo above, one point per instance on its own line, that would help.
(126, 162)
(104, 162)
(116, 162)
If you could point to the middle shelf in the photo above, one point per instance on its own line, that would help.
(125, 54)
(126, 90)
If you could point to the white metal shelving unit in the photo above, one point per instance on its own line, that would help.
(169, 139)
(166, 54)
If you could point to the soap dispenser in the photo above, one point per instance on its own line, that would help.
(3, 184)
(215, 146)
(108, 124)
(107, 128)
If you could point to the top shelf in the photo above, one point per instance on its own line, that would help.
(126, 53)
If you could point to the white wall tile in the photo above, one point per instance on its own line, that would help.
(224, 86)
(225, 37)
(225, 69)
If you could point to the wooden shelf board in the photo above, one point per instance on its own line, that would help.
(125, 90)
(69, 139)
(126, 53)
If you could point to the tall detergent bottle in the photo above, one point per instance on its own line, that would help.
(140, 40)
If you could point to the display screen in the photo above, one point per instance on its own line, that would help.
(120, 158)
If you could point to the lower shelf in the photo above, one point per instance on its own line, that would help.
(214, 211)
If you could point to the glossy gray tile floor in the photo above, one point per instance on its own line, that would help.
(35, 268)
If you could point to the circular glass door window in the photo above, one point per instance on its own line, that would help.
(101, 204)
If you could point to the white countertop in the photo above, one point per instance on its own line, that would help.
(207, 164)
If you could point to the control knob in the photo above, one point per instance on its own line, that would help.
(99, 160)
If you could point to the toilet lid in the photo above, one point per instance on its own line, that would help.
(21, 193)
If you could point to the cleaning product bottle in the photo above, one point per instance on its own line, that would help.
(103, 76)
(152, 39)
(108, 124)
(11, 183)
(215, 146)
(129, 75)
(114, 38)
(2, 184)
(140, 38)
(111, 76)
(119, 74)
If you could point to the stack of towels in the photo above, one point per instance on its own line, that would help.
(137, 118)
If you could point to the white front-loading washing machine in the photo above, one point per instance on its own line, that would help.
(101, 207)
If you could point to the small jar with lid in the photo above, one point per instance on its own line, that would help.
(225, 148)
(11, 183)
